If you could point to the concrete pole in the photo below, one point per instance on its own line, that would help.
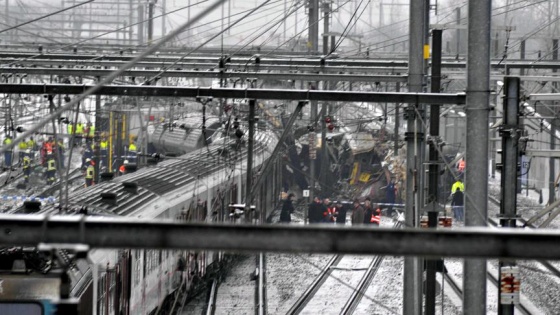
(476, 183)
(412, 281)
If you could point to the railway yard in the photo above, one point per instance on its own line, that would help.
(279, 157)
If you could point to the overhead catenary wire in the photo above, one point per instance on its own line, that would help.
(108, 79)
(45, 16)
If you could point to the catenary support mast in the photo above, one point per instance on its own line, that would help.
(476, 179)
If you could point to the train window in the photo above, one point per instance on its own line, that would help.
(21, 307)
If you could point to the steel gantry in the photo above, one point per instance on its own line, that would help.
(30, 230)
(207, 74)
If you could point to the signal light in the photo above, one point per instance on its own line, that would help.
(328, 119)
(330, 127)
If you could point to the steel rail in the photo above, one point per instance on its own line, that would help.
(302, 301)
(555, 271)
(365, 282)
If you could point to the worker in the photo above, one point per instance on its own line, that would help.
(461, 165)
(90, 171)
(122, 168)
(79, 133)
(458, 185)
(60, 152)
(51, 169)
(31, 145)
(87, 154)
(26, 166)
(315, 210)
(22, 146)
(90, 130)
(328, 211)
(103, 146)
(457, 203)
(70, 128)
(358, 213)
(375, 218)
(132, 151)
(340, 213)
(8, 153)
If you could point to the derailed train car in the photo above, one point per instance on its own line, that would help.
(184, 135)
(197, 186)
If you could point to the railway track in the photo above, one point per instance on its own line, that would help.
(521, 308)
(357, 293)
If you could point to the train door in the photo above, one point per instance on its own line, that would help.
(107, 301)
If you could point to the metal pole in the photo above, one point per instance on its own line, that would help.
(430, 305)
(397, 122)
(326, 10)
(412, 282)
(141, 24)
(96, 139)
(250, 145)
(458, 31)
(476, 183)
(510, 153)
(553, 128)
(313, 42)
(150, 22)
(163, 15)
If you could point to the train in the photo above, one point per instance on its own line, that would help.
(197, 186)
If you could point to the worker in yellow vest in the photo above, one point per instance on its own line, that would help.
(132, 152)
(26, 166)
(70, 128)
(8, 153)
(51, 169)
(90, 172)
(79, 132)
(22, 146)
(103, 146)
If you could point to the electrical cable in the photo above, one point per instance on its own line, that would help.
(45, 16)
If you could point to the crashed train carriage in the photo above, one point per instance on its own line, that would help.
(196, 187)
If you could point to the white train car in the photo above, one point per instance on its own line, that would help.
(194, 187)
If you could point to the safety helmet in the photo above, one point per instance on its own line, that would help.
(125, 161)
(27, 151)
(88, 160)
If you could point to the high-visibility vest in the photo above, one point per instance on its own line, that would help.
(103, 145)
(132, 147)
(22, 146)
(79, 128)
(48, 147)
(7, 141)
(70, 129)
(51, 166)
(91, 131)
(376, 216)
(26, 162)
(122, 169)
(457, 185)
(89, 172)
(30, 144)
